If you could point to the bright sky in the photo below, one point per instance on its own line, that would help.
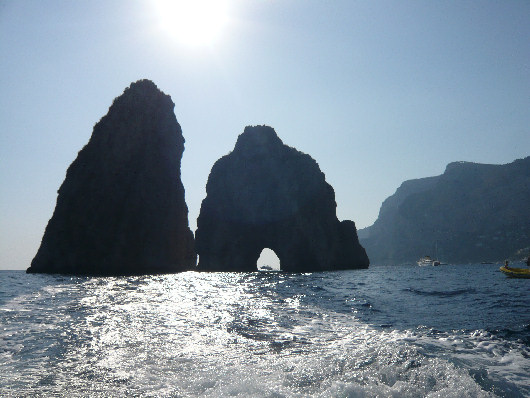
(377, 92)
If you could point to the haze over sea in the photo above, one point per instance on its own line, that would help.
(403, 331)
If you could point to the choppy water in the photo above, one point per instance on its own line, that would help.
(449, 331)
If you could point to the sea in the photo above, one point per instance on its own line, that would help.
(388, 331)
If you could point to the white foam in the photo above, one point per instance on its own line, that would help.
(216, 335)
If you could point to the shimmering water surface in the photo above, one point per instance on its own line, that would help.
(448, 331)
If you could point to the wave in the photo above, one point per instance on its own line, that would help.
(520, 334)
(440, 293)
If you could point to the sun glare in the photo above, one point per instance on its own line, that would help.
(193, 22)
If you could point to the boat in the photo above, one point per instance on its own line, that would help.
(516, 272)
(427, 260)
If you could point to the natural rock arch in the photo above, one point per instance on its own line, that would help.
(265, 194)
(268, 260)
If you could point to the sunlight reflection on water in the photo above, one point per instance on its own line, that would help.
(225, 334)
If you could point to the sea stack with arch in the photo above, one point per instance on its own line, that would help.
(265, 194)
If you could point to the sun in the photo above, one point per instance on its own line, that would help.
(193, 22)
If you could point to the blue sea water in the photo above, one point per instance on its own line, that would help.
(389, 331)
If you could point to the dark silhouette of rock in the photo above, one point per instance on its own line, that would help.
(265, 194)
(121, 207)
(471, 213)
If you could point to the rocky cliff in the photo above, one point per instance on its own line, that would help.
(121, 207)
(265, 194)
(471, 213)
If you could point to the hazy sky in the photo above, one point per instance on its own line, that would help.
(377, 92)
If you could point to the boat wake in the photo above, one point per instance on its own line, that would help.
(252, 335)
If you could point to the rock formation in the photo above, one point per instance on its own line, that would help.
(121, 207)
(265, 194)
(471, 213)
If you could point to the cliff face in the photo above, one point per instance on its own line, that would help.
(121, 207)
(471, 213)
(265, 194)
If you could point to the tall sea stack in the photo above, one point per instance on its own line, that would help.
(265, 194)
(121, 208)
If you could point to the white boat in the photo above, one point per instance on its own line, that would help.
(427, 260)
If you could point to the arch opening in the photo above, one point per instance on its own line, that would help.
(268, 261)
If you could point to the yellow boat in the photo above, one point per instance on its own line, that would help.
(516, 272)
